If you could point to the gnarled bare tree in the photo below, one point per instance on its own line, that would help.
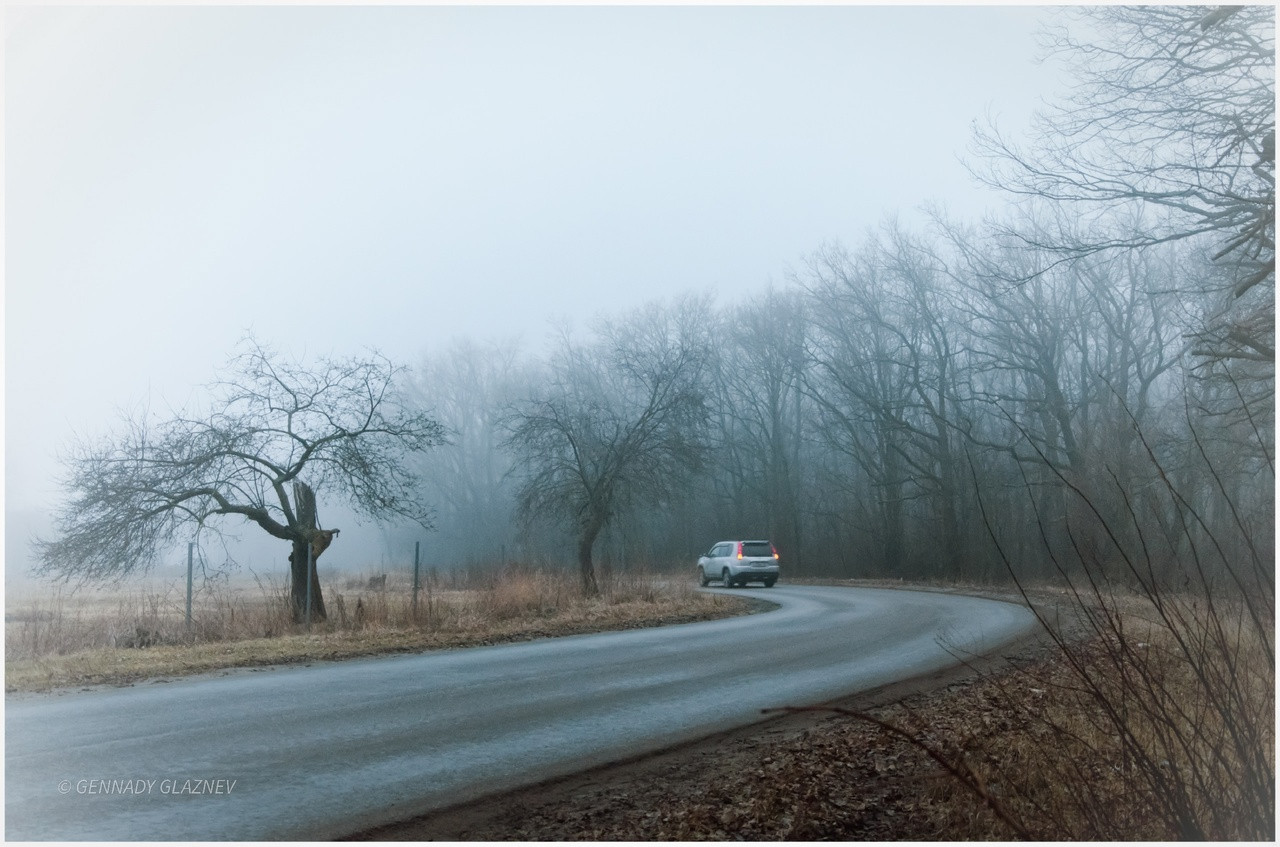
(269, 423)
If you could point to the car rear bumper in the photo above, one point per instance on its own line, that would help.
(753, 573)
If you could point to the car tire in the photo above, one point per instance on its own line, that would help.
(702, 578)
(768, 583)
(728, 582)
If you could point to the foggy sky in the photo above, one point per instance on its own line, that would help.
(340, 178)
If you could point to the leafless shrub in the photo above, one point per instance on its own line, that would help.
(1157, 721)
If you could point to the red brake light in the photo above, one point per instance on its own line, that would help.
(775, 551)
(739, 549)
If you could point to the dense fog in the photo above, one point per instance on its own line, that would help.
(1083, 380)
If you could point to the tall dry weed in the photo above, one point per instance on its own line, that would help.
(1157, 721)
(467, 601)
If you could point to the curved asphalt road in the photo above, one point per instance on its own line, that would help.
(317, 752)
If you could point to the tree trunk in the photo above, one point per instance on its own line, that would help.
(586, 541)
(304, 501)
(298, 586)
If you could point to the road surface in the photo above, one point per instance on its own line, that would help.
(317, 752)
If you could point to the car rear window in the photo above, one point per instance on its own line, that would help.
(757, 548)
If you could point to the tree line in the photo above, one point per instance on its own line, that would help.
(1090, 371)
(863, 417)
(1111, 333)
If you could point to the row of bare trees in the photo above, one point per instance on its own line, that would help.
(1116, 324)
(861, 417)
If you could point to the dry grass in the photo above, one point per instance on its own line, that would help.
(1160, 726)
(84, 638)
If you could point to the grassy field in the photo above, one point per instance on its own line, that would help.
(60, 638)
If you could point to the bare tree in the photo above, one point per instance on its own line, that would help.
(1172, 114)
(468, 387)
(269, 423)
(922, 314)
(1067, 362)
(759, 417)
(859, 384)
(620, 424)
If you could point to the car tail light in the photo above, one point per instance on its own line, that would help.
(775, 551)
(739, 549)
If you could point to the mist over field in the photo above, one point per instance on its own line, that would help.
(334, 179)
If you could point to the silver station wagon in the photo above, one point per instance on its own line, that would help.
(739, 562)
